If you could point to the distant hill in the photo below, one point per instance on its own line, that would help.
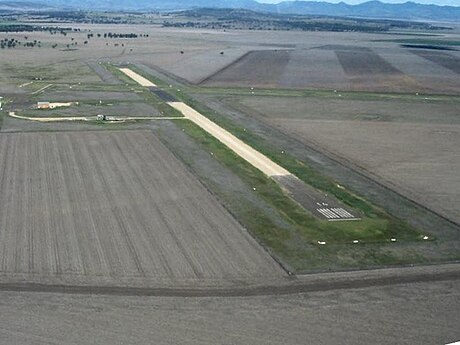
(16, 6)
(371, 9)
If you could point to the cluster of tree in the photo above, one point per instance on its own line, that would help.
(32, 28)
(8, 43)
(74, 16)
(115, 35)
(250, 20)
(278, 25)
(12, 43)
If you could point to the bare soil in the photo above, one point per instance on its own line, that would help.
(97, 208)
(255, 68)
(443, 59)
(359, 61)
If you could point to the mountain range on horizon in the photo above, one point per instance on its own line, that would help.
(371, 9)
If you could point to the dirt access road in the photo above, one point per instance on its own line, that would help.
(91, 118)
(372, 315)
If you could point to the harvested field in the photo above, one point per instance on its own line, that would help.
(349, 109)
(255, 68)
(115, 208)
(359, 61)
(445, 60)
(420, 161)
(314, 68)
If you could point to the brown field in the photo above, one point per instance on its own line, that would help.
(352, 68)
(263, 67)
(362, 61)
(445, 60)
(409, 145)
(293, 59)
(115, 208)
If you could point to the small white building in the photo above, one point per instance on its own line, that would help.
(43, 105)
(49, 105)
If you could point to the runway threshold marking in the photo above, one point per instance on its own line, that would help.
(336, 213)
(42, 89)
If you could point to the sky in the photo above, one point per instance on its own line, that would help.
(436, 2)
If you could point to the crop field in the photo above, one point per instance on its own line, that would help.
(261, 67)
(410, 145)
(443, 59)
(361, 61)
(334, 66)
(115, 207)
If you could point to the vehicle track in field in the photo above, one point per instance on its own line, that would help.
(297, 285)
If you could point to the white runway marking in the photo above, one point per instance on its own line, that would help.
(336, 214)
(42, 89)
(25, 84)
(342, 213)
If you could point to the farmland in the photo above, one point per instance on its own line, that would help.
(113, 208)
(162, 228)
